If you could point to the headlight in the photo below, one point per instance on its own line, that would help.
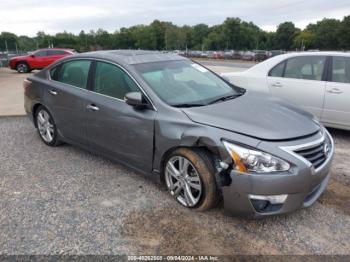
(249, 160)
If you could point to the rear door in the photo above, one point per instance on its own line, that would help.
(66, 98)
(301, 80)
(337, 96)
(114, 127)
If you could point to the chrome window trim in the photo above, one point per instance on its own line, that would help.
(105, 61)
(291, 149)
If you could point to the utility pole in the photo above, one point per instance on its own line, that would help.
(16, 48)
(166, 39)
(302, 45)
(6, 47)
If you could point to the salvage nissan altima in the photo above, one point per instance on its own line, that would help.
(165, 115)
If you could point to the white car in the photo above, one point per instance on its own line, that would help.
(319, 82)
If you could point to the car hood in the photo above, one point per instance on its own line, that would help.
(19, 57)
(256, 115)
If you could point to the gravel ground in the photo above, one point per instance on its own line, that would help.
(66, 201)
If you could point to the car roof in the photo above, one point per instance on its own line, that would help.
(65, 49)
(316, 53)
(267, 65)
(132, 56)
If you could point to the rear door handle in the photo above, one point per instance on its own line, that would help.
(335, 91)
(53, 92)
(93, 107)
(277, 84)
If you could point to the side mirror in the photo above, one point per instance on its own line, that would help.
(32, 56)
(135, 99)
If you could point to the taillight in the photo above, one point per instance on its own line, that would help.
(26, 85)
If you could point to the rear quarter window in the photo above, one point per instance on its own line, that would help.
(277, 71)
(54, 73)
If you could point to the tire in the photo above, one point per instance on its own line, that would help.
(22, 67)
(46, 126)
(198, 179)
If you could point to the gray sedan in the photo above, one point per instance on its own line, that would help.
(167, 116)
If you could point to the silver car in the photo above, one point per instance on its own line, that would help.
(167, 116)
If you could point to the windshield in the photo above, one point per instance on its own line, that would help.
(184, 83)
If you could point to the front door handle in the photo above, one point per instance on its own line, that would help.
(277, 84)
(335, 91)
(93, 107)
(53, 92)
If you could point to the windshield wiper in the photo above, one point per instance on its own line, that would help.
(224, 98)
(188, 105)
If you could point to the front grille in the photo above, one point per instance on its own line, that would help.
(316, 154)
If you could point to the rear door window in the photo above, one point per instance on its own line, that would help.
(305, 67)
(74, 73)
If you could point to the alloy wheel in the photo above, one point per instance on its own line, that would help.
(183, 181)
(22, 68)
(45, 126)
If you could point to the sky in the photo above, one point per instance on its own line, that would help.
(27, 17)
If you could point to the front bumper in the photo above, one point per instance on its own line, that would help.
(302, 187)
(12, 64)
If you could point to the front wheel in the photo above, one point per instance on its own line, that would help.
(46, 127)
(22, 67)
(189, 177)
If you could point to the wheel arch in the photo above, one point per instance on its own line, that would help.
(35, 109)
(198, 145)
(25, 62)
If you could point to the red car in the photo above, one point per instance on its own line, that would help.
(39, 59)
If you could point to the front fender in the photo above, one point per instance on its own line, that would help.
(170, 135)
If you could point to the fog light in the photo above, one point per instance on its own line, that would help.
(273, 199)
(263, 203)
(259, 205)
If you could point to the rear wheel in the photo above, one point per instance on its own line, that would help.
(46, 126)
(22, 67)
(189, 177)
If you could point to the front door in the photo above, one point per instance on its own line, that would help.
(337, 96)
(40, 59)
(299, 79)
(114, 127)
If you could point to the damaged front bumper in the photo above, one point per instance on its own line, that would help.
(261, 195)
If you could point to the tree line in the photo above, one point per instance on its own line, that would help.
(232, 34)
